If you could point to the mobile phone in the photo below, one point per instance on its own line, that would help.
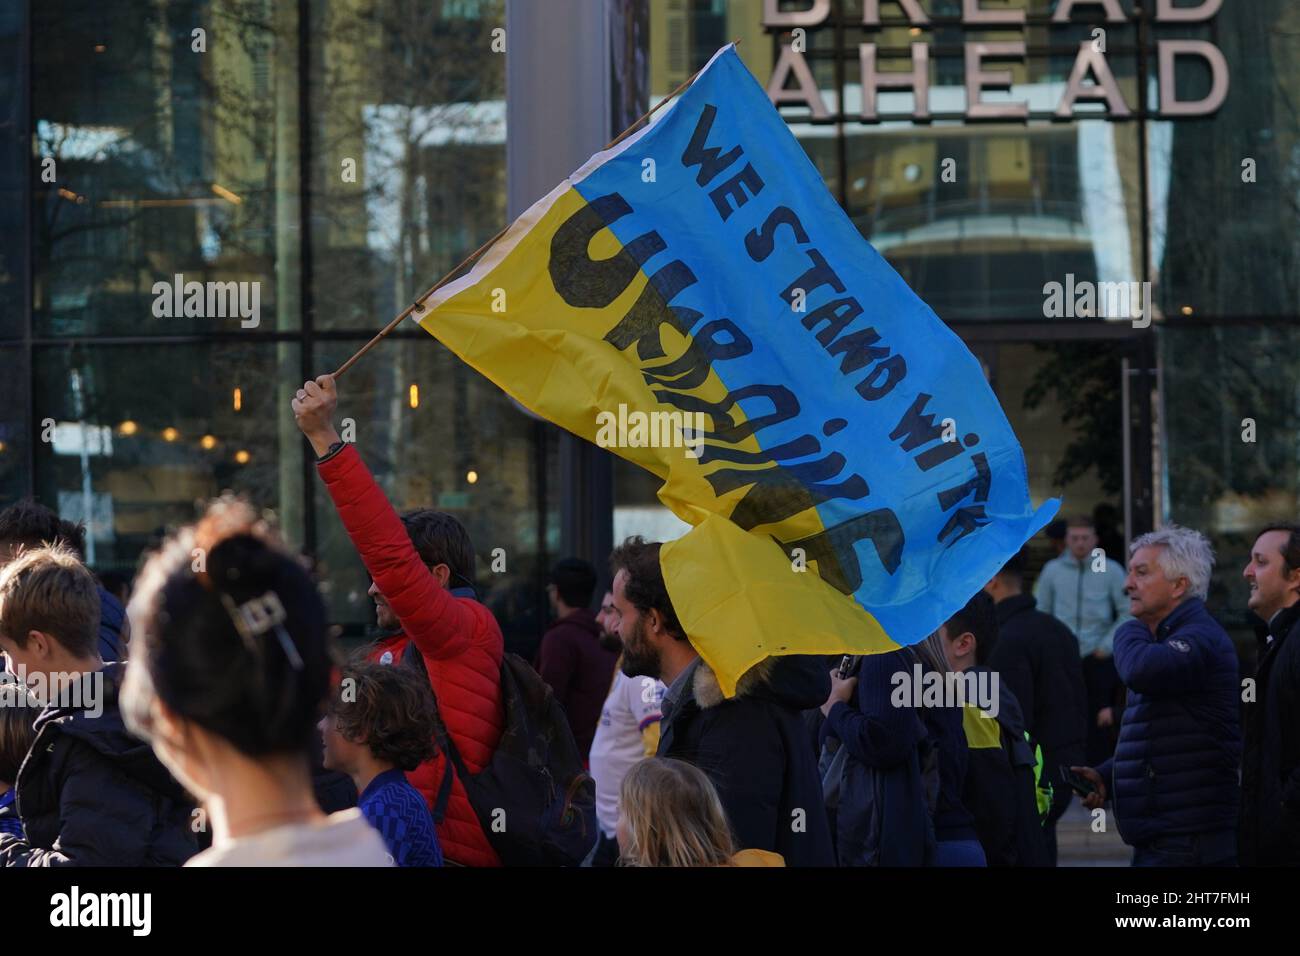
(846, 662)
(1077, 782)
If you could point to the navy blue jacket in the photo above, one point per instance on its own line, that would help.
(1001, 790)
(945, 761)
(1038, 659)
(91, 794)
(1175, 767)
(112, 617)
(882, 818)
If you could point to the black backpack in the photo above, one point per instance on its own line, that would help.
(535, 800)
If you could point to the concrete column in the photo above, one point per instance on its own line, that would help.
(560, 86)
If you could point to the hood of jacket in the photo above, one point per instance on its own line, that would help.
(112, 617)
(105, 732)
(799, 681)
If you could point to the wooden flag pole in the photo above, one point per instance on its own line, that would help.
(417, 305)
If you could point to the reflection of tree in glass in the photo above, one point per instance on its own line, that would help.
(412, 93)
(1226, 246)
(1083, 378)
(168, 159)
(1216, 378)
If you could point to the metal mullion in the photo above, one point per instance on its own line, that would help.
(29, 276)
(306, 302)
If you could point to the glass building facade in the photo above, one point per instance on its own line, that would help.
(342, 155)
(1195, 419)
(337, 156)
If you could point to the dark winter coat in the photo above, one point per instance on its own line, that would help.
(91, 794)
(755, 749)
(1270, 765)
(1037, 658)
(945, 761)
(881, 817)
(112, 618)
(1001, 789)
(1175, 766)
(580, 672)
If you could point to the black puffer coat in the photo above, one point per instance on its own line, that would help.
(1175, 767)
(1038, 659)
(755, 749)
(91, 794)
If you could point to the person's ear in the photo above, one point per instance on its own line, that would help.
(38, 645)
(966, 643)
(1293, 578)
(655, 620)
(443, 573)
(166, 725)
(182, 747)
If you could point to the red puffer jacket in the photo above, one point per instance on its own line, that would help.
(458, 637)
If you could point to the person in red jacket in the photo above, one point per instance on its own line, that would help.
(422, 568)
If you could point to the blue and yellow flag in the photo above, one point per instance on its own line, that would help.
(695, 300)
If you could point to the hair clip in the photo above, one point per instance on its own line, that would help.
(258, 615)
(291, 652)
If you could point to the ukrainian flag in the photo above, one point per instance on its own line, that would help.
(855, 481)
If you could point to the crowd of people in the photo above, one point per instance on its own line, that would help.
(212, 723)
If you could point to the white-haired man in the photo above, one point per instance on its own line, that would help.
(1173, 778)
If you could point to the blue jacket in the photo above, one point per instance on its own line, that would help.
(1001, 789)
(1175, 767)
(881, 818)
(91, 794)
(112, 617)
(9, 822)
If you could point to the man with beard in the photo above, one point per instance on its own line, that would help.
(753, 746)
(628, 731)
(421, 566)
(1269, 833)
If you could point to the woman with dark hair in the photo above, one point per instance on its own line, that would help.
(229, 675)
